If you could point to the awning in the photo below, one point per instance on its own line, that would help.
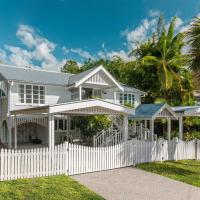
(87, 107)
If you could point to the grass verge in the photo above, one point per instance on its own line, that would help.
(187, 171)
(46, 188)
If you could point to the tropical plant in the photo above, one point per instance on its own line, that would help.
(71, 66)
(164, 52)
(193, 36)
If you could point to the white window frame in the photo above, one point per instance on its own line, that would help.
(18, 91)
(132, 102)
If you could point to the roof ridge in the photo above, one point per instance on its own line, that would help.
(34, 69)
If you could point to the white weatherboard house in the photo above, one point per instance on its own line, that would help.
(37, 107)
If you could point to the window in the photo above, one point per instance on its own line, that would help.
(97, 93)
(74, 94)
(126, 98)
(64, 124)
(31, 94)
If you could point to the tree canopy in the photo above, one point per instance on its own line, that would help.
(159, 67)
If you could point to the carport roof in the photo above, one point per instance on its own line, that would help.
(90, 107)
(187, 110)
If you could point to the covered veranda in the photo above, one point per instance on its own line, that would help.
(145, 116)
(185, 111)
(79, 108)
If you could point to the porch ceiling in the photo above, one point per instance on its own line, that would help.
(91, 107)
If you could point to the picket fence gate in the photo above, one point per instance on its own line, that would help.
(70, 159)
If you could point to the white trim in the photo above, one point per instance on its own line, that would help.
(90, 103)
(100, 68)
(74, 106)
(168, 108)
(32, 104)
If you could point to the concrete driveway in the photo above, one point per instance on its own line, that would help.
(134, 184)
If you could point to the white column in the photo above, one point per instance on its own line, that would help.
(169, 129)
(80, 92)
(10, 132)
(152, 129)
(180, 127)
(15, 131)
(51, 131)
(9, 116)
(134, 126)
(145, 133)
(125, 127)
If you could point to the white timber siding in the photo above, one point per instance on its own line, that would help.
(70, 159)
(99, 78)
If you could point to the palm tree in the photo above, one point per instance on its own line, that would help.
(193, 36)
(164, 52)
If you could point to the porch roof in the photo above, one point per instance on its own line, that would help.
(90, 107)
(187, 110)
(153, 111)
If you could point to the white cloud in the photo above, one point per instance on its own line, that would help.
(115, 54)
(37, 50)
(154, 13)
(82, 53)
(19, 57)
(140, 33)
(65, 50)
(3, 56)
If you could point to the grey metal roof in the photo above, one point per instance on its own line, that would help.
(34, 76)
(31, 75)
(131, 89)
(146, 111)
(73, 79)
(184, 108)
(187, 110)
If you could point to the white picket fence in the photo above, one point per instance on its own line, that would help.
(73, 159)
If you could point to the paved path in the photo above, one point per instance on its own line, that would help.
(134, 184)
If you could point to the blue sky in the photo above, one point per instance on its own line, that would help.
(46, 33)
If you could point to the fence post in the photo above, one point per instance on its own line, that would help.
(197, 149)
(176, 140)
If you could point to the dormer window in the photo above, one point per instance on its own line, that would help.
(31, 94)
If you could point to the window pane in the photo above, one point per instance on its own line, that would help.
(42, 101)
(60, 125)
(21, 93)
(121, 98)
(129, 98)
(72, 124)
(133, 99)
(28, 100)
(125, 98)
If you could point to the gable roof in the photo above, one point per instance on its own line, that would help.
(84, 76)
(31, 75)
(150, 111)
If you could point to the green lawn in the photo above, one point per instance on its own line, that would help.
(47, 188)
(187, 171)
